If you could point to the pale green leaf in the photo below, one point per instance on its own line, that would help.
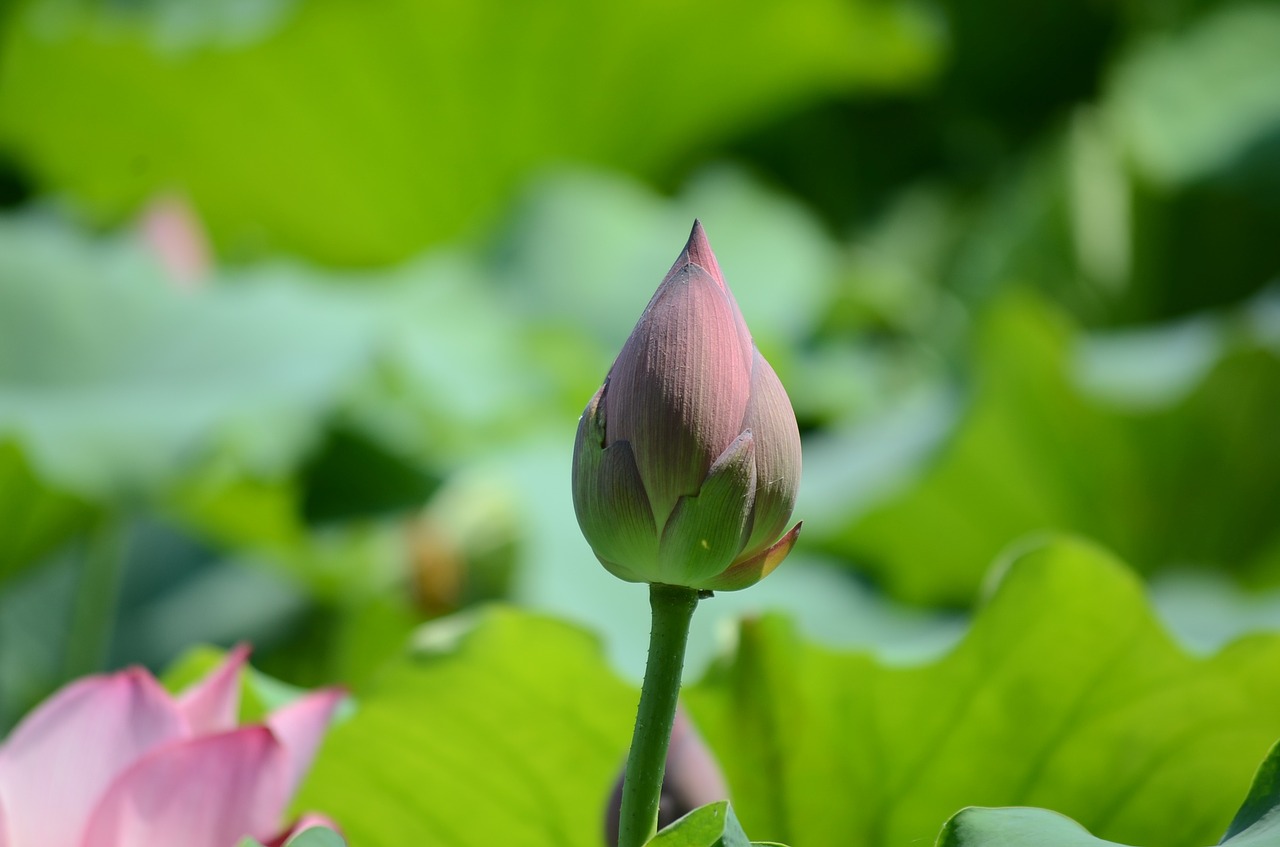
(113, 381)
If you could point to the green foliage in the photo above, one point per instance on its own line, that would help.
(958, 232)
(38, 517)
(511, 732)
(1190, 103)
(1256, 825)
(118, 407)
(427, 117)
(1038, 451)
(1066, 693)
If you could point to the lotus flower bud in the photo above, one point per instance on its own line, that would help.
(687, 459)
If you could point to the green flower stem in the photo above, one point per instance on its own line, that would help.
(642, 786)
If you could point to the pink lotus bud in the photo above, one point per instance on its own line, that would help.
(687, 459)
(112, 760)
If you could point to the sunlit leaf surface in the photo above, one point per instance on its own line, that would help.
(1065, 694)
(511, 732)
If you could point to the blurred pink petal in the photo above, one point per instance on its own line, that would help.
(205, 792)
(4, 830)
(173, 232)
(63, 756)
(213, 703)
(300, 726)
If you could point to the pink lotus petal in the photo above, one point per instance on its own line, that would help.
(204, 792)
(300, 726)
(61, 758)
(678, 390)
(4, 830)
(171, 228)
(213, 703)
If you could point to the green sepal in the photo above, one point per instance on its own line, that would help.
(706, 531)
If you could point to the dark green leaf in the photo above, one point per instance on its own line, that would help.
(353, 476)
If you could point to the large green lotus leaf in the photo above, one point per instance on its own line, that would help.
(358, 136)
(1065, 694)
(1189, 103)
(1257, 824)
(115, 383)
(511, 732)
(1139, 465)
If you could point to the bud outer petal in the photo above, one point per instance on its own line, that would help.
(679, 388)
(770, 417)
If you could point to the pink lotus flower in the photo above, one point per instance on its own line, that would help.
(115, 761)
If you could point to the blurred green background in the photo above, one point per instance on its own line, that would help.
(300, 301)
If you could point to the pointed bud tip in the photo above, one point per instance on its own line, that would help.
(697, 251)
